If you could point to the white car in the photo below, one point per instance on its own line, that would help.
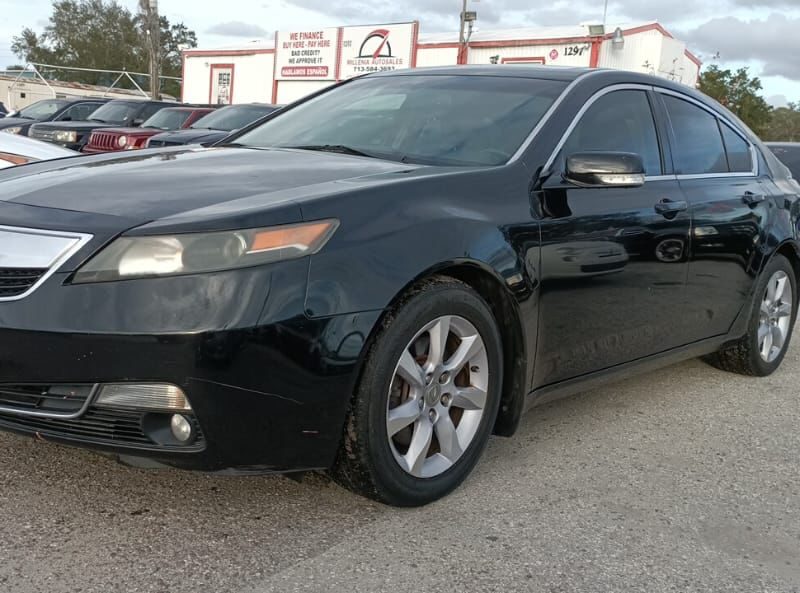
(19, 150)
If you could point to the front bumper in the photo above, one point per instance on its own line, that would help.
(269, 387)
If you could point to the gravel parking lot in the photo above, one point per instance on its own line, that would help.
(683, 480)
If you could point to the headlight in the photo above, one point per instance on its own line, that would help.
(122, 141)
(13, 129)
(66, 137)
(195, 253)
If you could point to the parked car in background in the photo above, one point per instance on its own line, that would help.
(19, 150)
(51, 110)
(124, 113)
(365, 283)
(215, 126)
(789, 155)
(170, 118)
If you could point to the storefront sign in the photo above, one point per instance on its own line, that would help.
(376, 48)
(306, 55)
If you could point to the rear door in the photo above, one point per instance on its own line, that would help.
(613, 261)
(717, 172)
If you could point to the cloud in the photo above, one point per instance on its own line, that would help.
(778, 100)
(772, 41)
(238, 29)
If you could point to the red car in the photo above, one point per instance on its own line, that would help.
(168, 119)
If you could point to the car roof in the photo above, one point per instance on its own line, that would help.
(505, 70)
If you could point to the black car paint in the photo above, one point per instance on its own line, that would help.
(84, 129)
(25, 124)
(269, 356)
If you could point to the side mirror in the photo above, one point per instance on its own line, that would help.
(137, 122)
(605, 169)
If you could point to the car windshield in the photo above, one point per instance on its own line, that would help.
(115, 112)
(41, 110)
(228, 119)
(431, 119)
(789, 156)
(168, 119)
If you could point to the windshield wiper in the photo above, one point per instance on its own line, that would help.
(99, 121)
(337, 148)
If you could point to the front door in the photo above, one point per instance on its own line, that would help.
(613, 262)
(221, 84)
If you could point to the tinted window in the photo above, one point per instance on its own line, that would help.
(228, 119)
(42, 110)
(149, 111)
(115, 112)
(699, 149)
(79, 112)
(168, 119)
(789, 156)
(455, 120)
(740, 160)
(621, 121)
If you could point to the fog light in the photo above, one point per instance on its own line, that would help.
(143, 396)
(181, 428)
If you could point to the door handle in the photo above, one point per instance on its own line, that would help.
(752, 199)
(671, 208)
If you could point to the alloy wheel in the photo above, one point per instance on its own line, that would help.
(775, 317)
(437, 396)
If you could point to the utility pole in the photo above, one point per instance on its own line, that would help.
(152, 27)
(467, 21)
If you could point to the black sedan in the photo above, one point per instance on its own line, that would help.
(789, 154)
(377, 279)
(51, 110)
(214, 126)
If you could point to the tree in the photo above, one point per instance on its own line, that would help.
(740, 93)
(784, 125)
(103, 35)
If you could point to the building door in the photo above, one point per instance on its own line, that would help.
(221, 84)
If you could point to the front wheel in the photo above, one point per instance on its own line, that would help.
(760, 352)
(427, 399)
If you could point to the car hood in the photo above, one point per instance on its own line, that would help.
(130, 131)
(8, 122)
(192, 136)
(151, 185)
(70, 125)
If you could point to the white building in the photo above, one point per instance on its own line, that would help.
(307, 61)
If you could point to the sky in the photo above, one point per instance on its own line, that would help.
(761, 34)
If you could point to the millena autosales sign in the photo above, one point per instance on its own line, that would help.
(376, 48)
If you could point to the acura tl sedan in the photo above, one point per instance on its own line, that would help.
(376, 279)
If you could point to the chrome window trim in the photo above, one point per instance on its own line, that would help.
(548, 115)
(592, 100)
(55, 415)
(754, 171)
(81, 239)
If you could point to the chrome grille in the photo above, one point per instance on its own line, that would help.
(29, 256)
(104, 141)
(17, 281)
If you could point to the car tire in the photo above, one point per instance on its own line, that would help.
(760, 352)
(455, 385)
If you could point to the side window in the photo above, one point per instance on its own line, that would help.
(80, 112)
(150, 110)
(699, 149)
(620, 121)
(740, 160)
